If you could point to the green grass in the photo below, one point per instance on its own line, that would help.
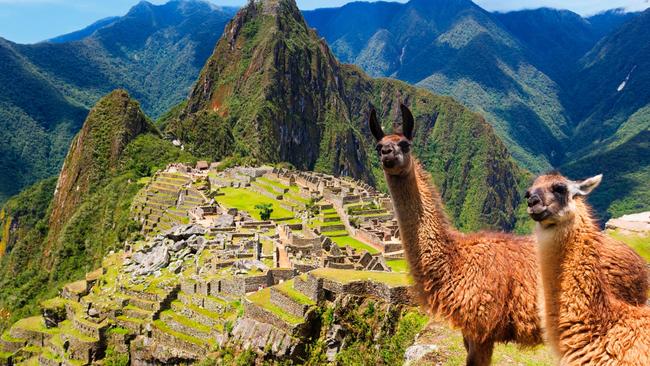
(287, 289)
(338, 233)
(163, 327)
(270, 182)
(263, 299)
(36, 324)
(119, 330)
(7, 337)
(354, 243)
(453, 353)
(398, 265)
(246, 200)
(185, 321)
(641, 244)
(67, 328)
(347, 275)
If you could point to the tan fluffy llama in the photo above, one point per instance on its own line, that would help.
(585, 322)
(483, 283)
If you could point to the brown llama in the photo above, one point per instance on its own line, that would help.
(483, 283)
(585, 322)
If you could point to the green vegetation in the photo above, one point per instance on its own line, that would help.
(640, 243)
(114, 358)
(264, 210)
(287, 289)
(354, 243)
(347, 275)
(262, 298)
(246, 200)
(88, 224)
(398, 265)
(156, 54)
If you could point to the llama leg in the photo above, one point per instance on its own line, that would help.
(478, 354)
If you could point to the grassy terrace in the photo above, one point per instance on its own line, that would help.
(398, 265)
(297, 296)
(246, 200)
(66, 327)
(342, 241)
(641, 244)
(163, 327)
(36, 324)
(262, 298)
(7, 337)
(347, 275)
(185, 321)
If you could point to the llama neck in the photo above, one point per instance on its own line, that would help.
(424, 228)
(571, 273)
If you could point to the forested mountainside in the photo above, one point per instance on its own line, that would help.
(154, 51)
(521, 70)
(53, 232)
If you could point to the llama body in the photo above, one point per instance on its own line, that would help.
(585, 321)
(483, 283)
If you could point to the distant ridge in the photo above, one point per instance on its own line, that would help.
(83, 33)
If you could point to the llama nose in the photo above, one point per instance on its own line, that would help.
(386, 150)
(534, 200)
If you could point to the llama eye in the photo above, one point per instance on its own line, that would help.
(559, 188)
(405, 146)
(527, 195)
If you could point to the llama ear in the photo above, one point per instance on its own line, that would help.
(407, 122)
(583, 188)
(375, 127)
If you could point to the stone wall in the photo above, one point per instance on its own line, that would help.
(393, 295)
(311, 286)
(287, 304)
(192, 349)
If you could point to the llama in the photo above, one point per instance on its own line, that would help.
(483, 283)
(585, 323)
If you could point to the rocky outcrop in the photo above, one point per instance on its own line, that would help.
(636, 223)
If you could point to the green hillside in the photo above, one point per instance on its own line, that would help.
(155, 52)
(456, 48)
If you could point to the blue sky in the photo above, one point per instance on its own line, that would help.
(29, 21)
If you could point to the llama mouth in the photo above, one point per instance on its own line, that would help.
(389, 163)
(538, 215)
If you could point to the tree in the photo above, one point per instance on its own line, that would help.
(265, 210)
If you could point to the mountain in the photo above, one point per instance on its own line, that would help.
(37, 119)
(456, 48)
(154, 51)
(83, 33)
(613, 81)
(554, 39)
(612, 103)
(56, 231)
(273, 91)
(607, 21)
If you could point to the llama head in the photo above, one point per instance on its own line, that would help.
(551, 198)
(394, 150)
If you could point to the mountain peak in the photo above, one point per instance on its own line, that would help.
(112, 123)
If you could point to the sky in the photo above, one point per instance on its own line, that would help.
(30, 21)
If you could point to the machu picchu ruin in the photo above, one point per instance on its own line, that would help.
(210, 273)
